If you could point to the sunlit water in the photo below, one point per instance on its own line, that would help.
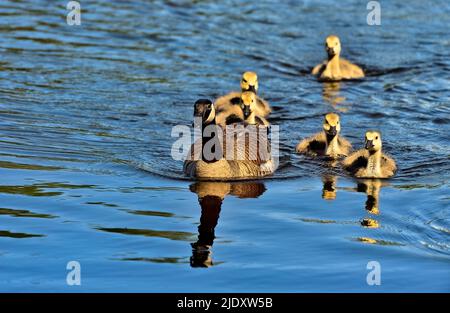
(86, 114)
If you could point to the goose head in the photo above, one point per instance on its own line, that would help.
(204, 109)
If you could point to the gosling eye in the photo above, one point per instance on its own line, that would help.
(337, 123)
(376, 137)
(244, 80)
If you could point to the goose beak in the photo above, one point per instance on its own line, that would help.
(369, 144)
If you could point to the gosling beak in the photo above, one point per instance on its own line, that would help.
(246, 111)
(251, 88)
(369, 144)
(330, 51)
(332, 131)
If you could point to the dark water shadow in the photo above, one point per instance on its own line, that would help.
(9, 234)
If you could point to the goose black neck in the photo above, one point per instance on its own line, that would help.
(215, 148)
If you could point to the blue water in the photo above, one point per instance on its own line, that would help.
(86, 114)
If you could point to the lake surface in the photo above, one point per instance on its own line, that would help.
(86, 175)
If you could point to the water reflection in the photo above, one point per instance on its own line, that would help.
(210, 197)
(331, 94)
(372, 189)
(329, 186)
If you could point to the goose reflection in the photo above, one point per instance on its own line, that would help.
(331, 94)
(210, 197)
(372, 189)
(329, 179)
(329, 186)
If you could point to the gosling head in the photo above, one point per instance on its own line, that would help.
(248, 103)
(249, 82)
(333, 46)
(204, 108)
(331, 124)
(373, 141)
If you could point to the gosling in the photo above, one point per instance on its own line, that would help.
(245, 111)
(245, 166)
(336, 68)
(370, 162)
(328, 142)
(249, 82)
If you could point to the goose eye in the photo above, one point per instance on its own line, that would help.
(244, 80)
(376, 137)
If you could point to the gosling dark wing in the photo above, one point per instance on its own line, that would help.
(235, 101)
(360, 162)
(316, 146)
(233, 118)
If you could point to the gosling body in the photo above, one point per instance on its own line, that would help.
(370, 162)
(249, 82)
(328, 142)
(244, 109)
(336, 68)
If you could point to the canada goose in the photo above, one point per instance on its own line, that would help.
(370, 162)
(336, 68)
(328, 142)
(245, 110)
(248, 159)
(249, 82)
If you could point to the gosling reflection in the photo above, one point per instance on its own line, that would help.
(329, 180)
(372, 189)
(331, 94)
(329, 187)
(210, 197)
